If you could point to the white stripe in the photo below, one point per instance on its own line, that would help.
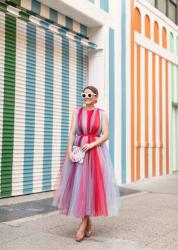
(72, 78)
(61, 20)
(39, 110)
(128, 95)
(14, 11)
(175, 83)
(173, 145)
(164, 113)
(150, 113)
(169, 116)
(19, 122)
(142, 113)
(44, 11)
(56, 108)
(76, 27)
(157, 112)
(27, 4)
(155, 48)
(2, 54)
(117, 148)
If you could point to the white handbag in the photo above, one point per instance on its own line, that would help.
(78, 153)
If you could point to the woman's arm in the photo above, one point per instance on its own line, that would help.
(103, 138)
(71, 137)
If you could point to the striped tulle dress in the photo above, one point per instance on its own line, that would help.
(88, 188)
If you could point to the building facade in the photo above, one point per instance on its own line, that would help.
(50, 50)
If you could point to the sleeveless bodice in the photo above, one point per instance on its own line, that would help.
(89, 122)
(89, 125)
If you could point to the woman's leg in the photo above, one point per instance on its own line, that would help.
(88, 230)
(81, 230)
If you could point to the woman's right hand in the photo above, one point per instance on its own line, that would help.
(71, 156)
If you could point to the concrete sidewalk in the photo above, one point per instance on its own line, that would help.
(148, 220)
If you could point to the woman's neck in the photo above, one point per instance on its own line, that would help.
(89, 107)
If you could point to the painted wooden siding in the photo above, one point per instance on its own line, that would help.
(42, 75)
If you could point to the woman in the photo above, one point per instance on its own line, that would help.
(88, 189)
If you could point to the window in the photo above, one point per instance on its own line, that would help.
(172, 9)
(168, 7)
(161, 5)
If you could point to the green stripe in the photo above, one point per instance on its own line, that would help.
(176, 138)
(8, 107)
(3, 7)
(24, 16)
(15, 2)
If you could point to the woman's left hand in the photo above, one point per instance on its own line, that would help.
(87, 146)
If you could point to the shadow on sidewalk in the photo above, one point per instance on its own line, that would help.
(30, 208)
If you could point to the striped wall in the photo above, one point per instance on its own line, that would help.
(111, 64)
(123, 97)
(153, 117)
(174, 98)
(50, 14)
(41, 77)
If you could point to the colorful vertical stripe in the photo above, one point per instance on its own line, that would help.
(80, 74)
(64, 95)
(111, 91)
(123, 91)
(36, 86)
(48, 118)
(149, 98)
(8, 106)
(29, 109)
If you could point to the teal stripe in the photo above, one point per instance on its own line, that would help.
(36, 7)
(69, 23)
(104, 4)
(53, 15)
(48, 119)
(111, 92)
(29, 109)
(8, 106)
(80, 74)
(64, 96)
(92, 1)
(123, 91)
(83, 30)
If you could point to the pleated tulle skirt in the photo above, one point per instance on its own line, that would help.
(88, 188)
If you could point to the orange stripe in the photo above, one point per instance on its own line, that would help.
(132, 93)
(137, 27)
(160, 118)
(138, 115)
(153, 117)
